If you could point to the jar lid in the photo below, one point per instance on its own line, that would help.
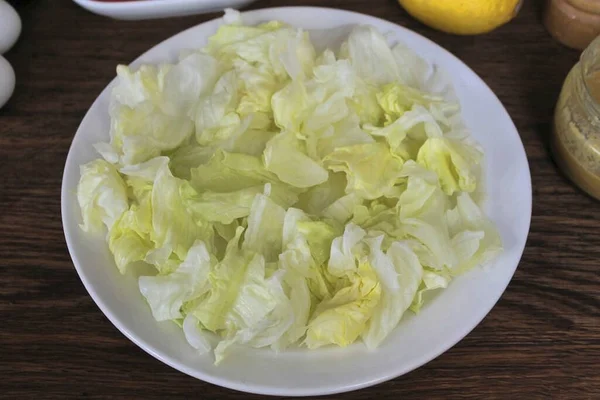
(591, 6)
(574, 23)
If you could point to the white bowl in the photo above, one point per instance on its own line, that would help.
(452, 314)
(147, 9)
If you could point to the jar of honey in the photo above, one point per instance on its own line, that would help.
(575, 139)
(575, 23)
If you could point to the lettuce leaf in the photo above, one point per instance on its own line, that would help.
(102, 195)
(453, 161)
(285, 157)
(371, 169)
(166, 294)
(400, 272)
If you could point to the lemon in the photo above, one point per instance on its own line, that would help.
(462, 17)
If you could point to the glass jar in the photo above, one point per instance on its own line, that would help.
(575, 139)
(575, 23)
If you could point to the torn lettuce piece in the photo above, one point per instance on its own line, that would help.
(228, 172)
(265, 226)
(453, 161)
(474, 237)
(174, 228)
(101, 194)
(371, 169)
(284, 156)
(166, 294)
(400, 272)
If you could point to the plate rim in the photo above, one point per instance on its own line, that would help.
(258, 388)
(155, 9)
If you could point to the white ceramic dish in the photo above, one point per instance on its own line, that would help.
(418, 339)
(147, 9)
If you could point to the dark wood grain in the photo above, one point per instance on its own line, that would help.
(542, 340)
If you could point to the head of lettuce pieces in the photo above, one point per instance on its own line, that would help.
(284, 196)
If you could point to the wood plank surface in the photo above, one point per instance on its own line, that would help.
(542, 340)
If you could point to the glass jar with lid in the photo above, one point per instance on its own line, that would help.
(575, 23)
(575, 139)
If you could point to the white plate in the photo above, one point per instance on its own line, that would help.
(146, 9)
(417, 339)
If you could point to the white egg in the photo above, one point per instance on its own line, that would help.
(10, 26)
(7, 81)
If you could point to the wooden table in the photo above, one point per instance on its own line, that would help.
(542, 340)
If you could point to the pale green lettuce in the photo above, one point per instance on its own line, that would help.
(129, 238)
(285, 156)
(166, 293)
(173, 225)
(226, 172)
(285, 196)
(265, 226)
(102, 195)
(400, 272)
(453, 161)
(371, 169)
